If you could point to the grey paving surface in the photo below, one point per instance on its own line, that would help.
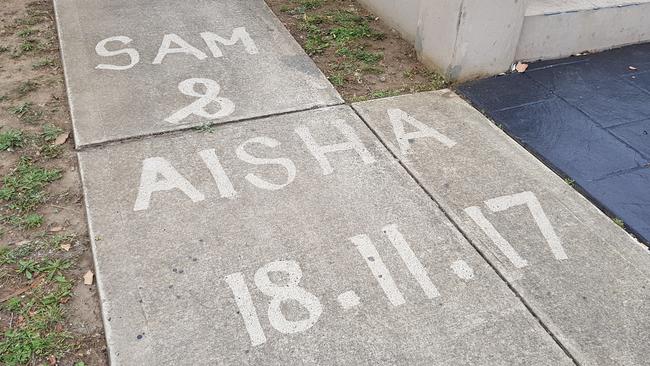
(587, 117)
(335, 257)
(127, 61)
(585, 278)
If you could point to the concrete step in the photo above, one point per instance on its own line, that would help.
(559, 28)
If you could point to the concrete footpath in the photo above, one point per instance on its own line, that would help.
(407, 230)
(136, 68)
(584, 277)
(292, 239)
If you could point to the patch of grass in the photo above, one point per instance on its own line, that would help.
(22, 109)
(343, 35)
(351, 26)
(570, 182)
(46, 62)
(51, 151)
(43, 241)
(23, 189)
(302, 6)
(27, 222)
(386, 93)
(28, 21)
(50, 132)
(337, 79)
(24, 222)
(359, 54)
(370, 69)
(34, 334)
(27, 267)
(317, 39)
(619, 222)
(205, 128)
(26, 32)
(340, 27)
(435, 81)
(12, 256)
(359, 98)
(11, 139)
(28, 45)
(26, 112)
(26, 87)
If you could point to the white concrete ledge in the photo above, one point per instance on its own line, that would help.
(561, 34)
(466, 39)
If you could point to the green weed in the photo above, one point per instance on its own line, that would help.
(361, 55)
(50, 132)
(51, 151)
(28, 45)
(619, 222)
(207, 128)
(26, 87)
(46, 62)
(27, 267)
(387, 93)
(35, 335)
(337, 79)
(26, 222)
(26, 112)
(303, 6)
(23, 188)
(570, 182)
(26, 32)
(11, 139)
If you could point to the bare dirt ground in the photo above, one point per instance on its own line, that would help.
(47, 314)
(361, 56)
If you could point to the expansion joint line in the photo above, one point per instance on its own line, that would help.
(478, 250)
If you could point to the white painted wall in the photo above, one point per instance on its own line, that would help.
(466, 39)
(548, 36)
(399, 14)
(462, 39)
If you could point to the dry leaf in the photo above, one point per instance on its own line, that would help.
(62, 138)
(632, 68)
(51, 360)
(521, 67)
(66, 247)
(88, 278)
(56, 229)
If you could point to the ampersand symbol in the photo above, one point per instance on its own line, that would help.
(212, 89)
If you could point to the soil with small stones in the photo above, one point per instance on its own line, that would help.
(63, 210)
(401, 71)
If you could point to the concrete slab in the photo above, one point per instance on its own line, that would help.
(585, 278)
(136, 68)
(564, 31)
(292, 239)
